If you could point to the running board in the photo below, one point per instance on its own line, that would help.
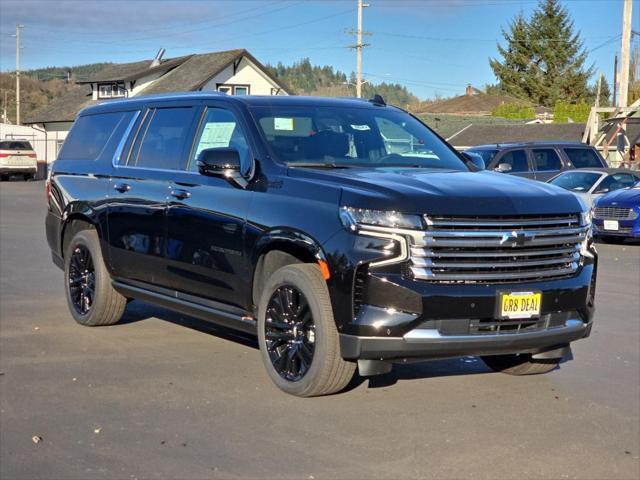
(232, 317)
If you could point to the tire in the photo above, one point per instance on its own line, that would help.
(302, 288)
(4, 178)
(520, 364)
(86, 275)
(28, 177)
(611, 239)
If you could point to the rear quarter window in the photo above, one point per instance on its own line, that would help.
(584, 158)
(90, 135)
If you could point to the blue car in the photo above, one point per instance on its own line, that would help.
(616, 215)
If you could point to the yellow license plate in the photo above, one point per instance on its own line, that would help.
(520, 304)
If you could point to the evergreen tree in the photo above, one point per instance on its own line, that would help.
(515, 74)
(543, 60)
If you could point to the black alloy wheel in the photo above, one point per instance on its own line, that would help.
(290, 333)
(82, 282)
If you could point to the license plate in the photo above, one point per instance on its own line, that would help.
(520, 304)
(611, 225)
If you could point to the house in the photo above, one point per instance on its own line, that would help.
(473, 135)
(234, 72)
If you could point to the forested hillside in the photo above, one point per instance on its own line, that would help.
(306, 79)
(41, 86)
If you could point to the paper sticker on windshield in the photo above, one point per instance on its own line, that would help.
(362, 128)
(283, 124)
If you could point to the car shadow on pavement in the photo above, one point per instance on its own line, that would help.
(138, 310)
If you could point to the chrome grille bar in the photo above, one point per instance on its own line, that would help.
(497, 249)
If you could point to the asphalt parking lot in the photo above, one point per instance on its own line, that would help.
(166, 396)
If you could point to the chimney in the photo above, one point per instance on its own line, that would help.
(156, 61)
(469, 90)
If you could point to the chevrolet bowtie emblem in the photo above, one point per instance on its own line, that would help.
(516, 239)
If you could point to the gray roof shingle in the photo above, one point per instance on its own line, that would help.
(185, 74)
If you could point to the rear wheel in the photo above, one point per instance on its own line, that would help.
(520, 364)
(4, 177)
(297, 333)
(91, 299)
(28, 176)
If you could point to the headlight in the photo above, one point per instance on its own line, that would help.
(352, 218)
(585, 221)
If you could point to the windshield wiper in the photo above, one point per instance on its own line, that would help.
(315, 165)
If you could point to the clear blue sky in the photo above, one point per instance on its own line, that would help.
(434, 47)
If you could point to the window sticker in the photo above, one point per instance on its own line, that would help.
(362, 128)
(215, 135)
(283, 124)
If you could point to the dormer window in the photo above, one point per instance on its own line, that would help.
(111, 90)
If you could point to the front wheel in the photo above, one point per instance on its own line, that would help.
(520, 364)
(297, 334)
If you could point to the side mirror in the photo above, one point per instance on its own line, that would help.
(504, 168)
(221, 162)
(475, 159)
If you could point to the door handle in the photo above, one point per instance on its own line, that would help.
(122, 187)
(180, 194)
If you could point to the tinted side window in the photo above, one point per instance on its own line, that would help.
(90, 134)
(546, 159)
(583, 157)
(220, 129)
(163, 139)
(517, 159)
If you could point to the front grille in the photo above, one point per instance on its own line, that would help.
(497, 249)
(614, 213)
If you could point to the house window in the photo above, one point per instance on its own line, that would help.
(231, 89)
(111, 90)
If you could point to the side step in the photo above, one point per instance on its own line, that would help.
(215, 312)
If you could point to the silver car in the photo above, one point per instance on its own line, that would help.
(593, 183)
(17, 158)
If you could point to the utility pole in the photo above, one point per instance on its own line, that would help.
(624, 53)
(18, 27)
(615, 80)
(597, 104)
(359, 46)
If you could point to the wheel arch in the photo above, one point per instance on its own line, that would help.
(281, 247)
(71, 224)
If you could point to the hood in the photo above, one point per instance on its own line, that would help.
(417, 190)
(625, 197)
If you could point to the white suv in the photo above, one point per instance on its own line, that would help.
(17, 158)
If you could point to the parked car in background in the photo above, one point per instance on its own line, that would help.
(593, 183)
(538, 160)
(298, 220)
(17, 158)
(616, 215)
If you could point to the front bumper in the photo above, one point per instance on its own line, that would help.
(626, 228)
(15, 169)
(431, 344)
(403, 318)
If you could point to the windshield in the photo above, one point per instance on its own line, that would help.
(576, 181)
(487, 155)
(341, 136)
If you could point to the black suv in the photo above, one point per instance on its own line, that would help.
(538, 160)
(342, 232)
